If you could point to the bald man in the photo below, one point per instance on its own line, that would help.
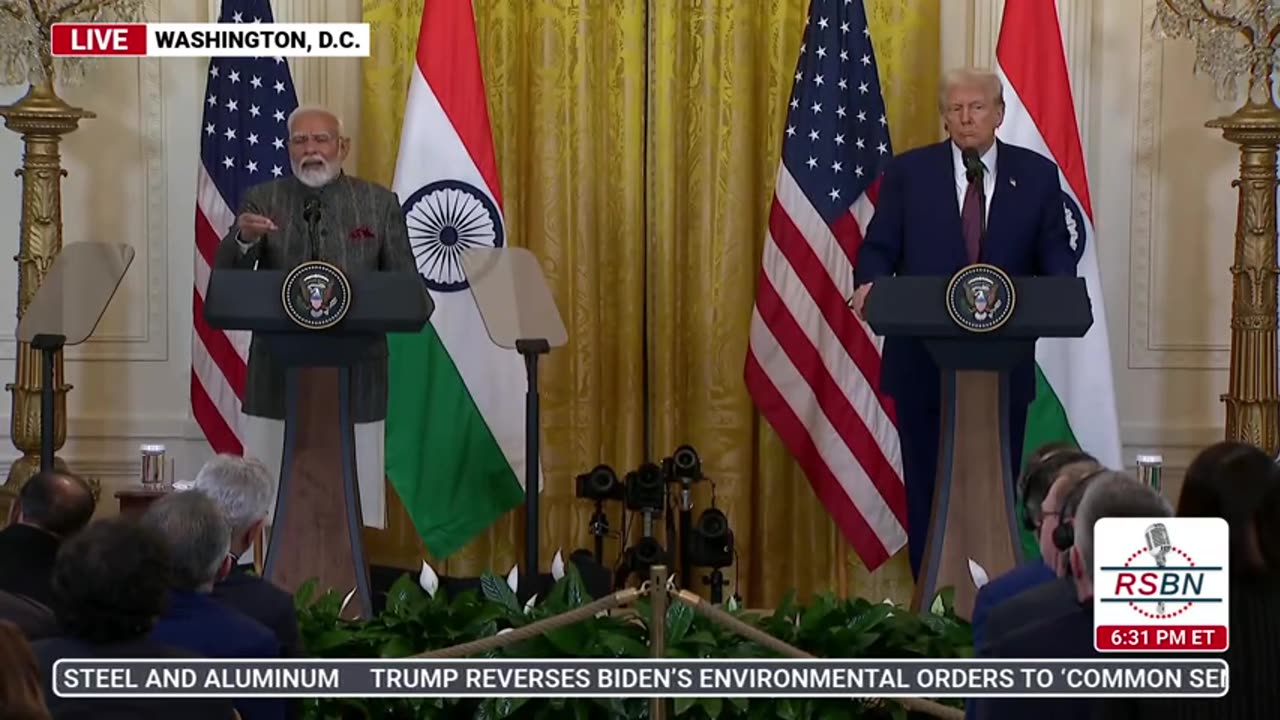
(51, 507)
(360, 228)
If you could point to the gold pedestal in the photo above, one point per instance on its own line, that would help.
(1253, 398)
(42, 118)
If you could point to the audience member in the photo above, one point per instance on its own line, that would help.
(198, 538)
(33, 619)
(1034, 489)
(243, 489)
(1057, 536)
(1069, 634)
(109, 585)
(51, 507)
(20, 693)
(1241, 484)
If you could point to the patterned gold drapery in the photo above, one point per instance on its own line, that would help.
(637, 142)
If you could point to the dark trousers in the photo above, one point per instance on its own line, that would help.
(919, 427)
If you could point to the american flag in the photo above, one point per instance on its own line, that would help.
(243, 142)
(812, 367)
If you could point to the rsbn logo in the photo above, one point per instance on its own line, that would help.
(1161, 583)
(1167, 588)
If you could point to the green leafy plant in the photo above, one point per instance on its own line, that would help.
(415, 621)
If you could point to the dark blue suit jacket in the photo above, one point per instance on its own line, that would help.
(202, 625)
(1066, 634)
(1022, 577)
(916, 231)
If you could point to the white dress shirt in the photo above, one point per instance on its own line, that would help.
(988, 176)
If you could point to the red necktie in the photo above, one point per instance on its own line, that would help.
(971, 220)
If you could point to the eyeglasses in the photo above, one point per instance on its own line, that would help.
(317, 138)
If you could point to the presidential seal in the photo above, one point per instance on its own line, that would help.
(316, 295)
(980, 298)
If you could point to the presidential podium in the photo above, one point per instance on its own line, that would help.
(978, 325)
(317, 527)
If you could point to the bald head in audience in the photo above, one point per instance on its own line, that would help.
(58, 503)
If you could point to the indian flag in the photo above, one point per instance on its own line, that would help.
(455, 418)
(1075, 393)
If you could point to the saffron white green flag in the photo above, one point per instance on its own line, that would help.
(455, 439)
(1075, 391)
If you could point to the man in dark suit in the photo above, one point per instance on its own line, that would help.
(243, 489)
(360, 227)
(1063, 476)
(51, 507)
(109, 584)
(199, 542)
(1066, 631)
(930, 220)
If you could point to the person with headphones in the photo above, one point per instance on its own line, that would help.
(1057, 619)
(1044, 471)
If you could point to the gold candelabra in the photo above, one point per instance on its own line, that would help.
(42, 119)
(1236, 43)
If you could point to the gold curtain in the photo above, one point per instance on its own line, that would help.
(638, 142)
(566, 99)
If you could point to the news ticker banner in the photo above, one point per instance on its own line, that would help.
(209, 39)
(711, 677)
(1161, 585)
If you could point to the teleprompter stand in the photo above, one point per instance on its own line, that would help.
(519, 313)
(974, 515)
(316, 530)
(65, 311)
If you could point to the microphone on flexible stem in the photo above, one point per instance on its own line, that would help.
(311, 214)
(1158, 545)
(973, 169)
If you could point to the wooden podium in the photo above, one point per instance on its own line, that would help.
(974, 514)
(316, 530)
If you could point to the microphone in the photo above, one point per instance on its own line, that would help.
(973, 168)
(1159, 546)
(1158, 543)
(311, 214)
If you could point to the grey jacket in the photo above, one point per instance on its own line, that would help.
(362, 228)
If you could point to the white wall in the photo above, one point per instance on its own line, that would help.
(1160, 185)
(1165, 211)
(131, 178)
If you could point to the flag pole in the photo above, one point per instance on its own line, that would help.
(842, 567)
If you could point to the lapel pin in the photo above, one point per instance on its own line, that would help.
(1013, 182)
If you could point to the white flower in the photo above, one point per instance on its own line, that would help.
(346, 600)
(428, 580)
(528, 607)
(978, 574)
(937, 608)
(513, 578)
(504, 631)
(557, 566)
(733, 603)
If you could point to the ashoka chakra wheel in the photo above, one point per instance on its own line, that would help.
(445, 218)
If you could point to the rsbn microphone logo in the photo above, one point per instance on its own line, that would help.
(1161, 584)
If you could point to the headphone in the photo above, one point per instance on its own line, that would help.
(1033, 486)
(1064, 535)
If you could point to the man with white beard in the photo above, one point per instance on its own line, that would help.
(360, 227)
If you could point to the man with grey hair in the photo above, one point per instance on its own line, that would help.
(199, 542)
(317, 212)
(243, 489)
(1068, 633)
(966, 200)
